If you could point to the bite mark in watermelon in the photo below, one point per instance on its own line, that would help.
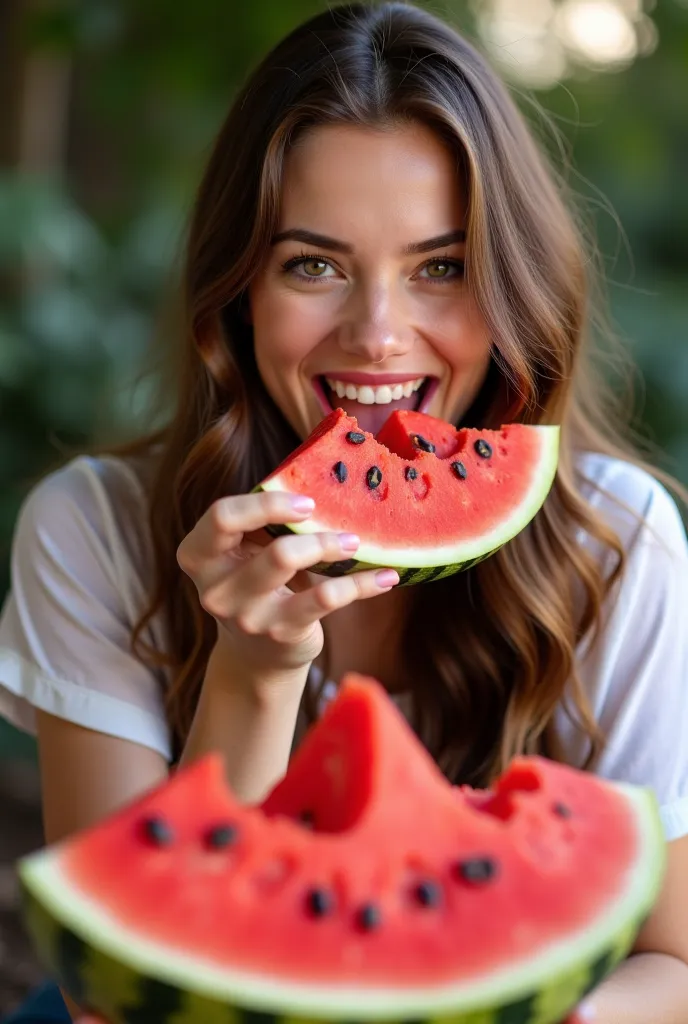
(402, 898)
(425, 498)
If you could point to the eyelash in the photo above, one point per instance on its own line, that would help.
(298, 261)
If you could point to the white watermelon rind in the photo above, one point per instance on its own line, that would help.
(543, 474)
(614, 930)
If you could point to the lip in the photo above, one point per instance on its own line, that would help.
(374, 379)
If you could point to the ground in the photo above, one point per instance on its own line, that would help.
(20, 832)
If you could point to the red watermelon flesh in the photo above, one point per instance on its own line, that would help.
(403, 884)
(417, 509)
(406, 430)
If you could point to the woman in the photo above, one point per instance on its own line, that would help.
(374, 206)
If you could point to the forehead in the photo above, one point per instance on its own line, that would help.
(341, 179)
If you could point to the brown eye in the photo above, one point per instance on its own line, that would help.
(439, 269)
(314, 268)
(443, 270)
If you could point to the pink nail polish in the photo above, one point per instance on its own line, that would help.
(302, 503)
(387, 578)
(585, 1014)
(349, 541)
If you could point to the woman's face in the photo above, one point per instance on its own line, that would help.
(362, 295)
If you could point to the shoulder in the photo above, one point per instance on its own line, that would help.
(631, 501)
(93, 478)
(81, 571)
(88, 517)
(106, 491)
(633, 669)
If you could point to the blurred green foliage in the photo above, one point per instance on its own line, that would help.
(88, 248)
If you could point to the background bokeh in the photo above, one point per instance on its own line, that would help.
(107, 112)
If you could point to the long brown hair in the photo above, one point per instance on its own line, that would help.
(490, 653)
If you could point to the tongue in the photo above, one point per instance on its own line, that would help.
(371, 417)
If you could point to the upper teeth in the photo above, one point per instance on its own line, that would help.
(374, 396)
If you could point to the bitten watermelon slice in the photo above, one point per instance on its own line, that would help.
(365, 888)
(425, 498)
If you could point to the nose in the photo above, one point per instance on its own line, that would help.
(374, 327)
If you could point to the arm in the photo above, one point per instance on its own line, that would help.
(85, 776)
(253, 727)
(651, 986)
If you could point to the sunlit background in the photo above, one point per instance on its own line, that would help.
(541, 42)
(108, 109)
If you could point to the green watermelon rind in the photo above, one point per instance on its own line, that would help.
(564, 971)
(450, 558)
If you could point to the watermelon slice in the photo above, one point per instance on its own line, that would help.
(425, 498)
(365, 888)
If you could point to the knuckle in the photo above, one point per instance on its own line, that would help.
(210, 601)
(283, 551)
(328, 595)
(185, 558)
(220, 515)
(277, 632)
(246, 625)
(275, 503)
(271, 502)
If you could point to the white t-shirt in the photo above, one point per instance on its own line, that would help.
(81, 560)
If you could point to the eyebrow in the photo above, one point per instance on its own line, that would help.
(335, 245)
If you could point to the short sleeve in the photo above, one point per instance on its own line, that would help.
(636, 673)
(79, 560)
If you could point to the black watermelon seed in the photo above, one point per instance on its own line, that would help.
(307, 819)
(460, 470)
(340, 471)
(483, 449)
(319, 902)
(220, 836)
(562, 810)
(369, 917)
(158, 831)
(353, 437)
(374, 477)
(411, 473)
(428, 894)
(420, 442)
(477, 870)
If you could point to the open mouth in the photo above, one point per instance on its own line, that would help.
(372, 405)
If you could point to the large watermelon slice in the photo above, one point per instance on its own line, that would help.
(425, 498)
(365, 888)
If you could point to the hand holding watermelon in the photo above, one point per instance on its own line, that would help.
(268, 612)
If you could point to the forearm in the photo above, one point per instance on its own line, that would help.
(251, 726)
(648, 988)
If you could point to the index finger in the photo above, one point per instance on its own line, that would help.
(227, 520)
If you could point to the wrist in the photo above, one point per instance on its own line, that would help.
(260, 688)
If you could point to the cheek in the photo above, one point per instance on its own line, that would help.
(286, 325)
(463, 338)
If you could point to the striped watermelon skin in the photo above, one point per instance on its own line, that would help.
(97, 981)
(407, 577)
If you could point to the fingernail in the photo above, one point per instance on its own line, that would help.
(585, 1014)
(387, 578)
(349, 541)
(301, 503)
